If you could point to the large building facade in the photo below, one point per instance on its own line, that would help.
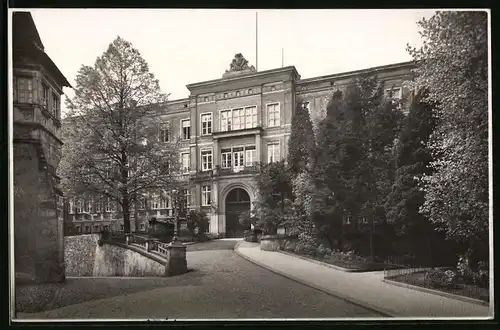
(38, 202)
(227, 127)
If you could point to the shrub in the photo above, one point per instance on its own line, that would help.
(320, 251)
(247, 233)
(440, 278)
(482, 276)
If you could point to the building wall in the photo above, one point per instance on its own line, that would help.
(281, 86)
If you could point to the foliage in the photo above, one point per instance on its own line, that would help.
(441, 278)
(197, 219)
(453, 62)
(273, 207)
(301, 144)
(110, 149)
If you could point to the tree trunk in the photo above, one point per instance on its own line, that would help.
(372, 250)
(126, 213)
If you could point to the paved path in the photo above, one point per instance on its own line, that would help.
(363, 288)
(222, 285)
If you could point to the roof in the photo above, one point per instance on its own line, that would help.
(25, 36)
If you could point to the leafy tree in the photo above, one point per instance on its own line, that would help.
(301, 144)
(273, 207)
(453, 63)
(412, 159)
(111, 148)
(197, 219)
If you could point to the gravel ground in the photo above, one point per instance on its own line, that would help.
(222, 285)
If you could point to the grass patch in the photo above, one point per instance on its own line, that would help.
(465, 290)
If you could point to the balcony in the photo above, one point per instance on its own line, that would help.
(236, 133)
(254, 168)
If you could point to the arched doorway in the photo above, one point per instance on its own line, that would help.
(237, 202)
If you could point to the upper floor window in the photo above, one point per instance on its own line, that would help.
(226, 158)
(186, 129)
(250, 91)
(206, 195)
(238, 119)
(238, 93)
(225, 120)
(206, 160)
(250, 156)
(24, 90)
(206, 99)
(225, 95)
(206, 124)
(273, 114)
(164, 134)
(56, 105)
(155, 202)
(394, 93)
(273, 152)
(185, 162)
(251, 117)
(45, 96)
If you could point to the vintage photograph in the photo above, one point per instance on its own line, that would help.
(227, 164)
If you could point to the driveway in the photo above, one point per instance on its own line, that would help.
(221, 285)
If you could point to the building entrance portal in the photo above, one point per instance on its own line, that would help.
(237, 202)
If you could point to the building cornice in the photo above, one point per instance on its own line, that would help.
(259, 74)
(348, 74)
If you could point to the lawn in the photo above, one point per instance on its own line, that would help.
(466, 290)
(353, 264)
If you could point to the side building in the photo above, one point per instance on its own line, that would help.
(38, 202)
(227, 127)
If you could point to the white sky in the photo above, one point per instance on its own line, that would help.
(185, 46)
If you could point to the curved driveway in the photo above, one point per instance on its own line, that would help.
(221, 285)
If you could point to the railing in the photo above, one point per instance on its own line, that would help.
(161, 247)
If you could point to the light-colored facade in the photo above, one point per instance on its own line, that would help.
(228, 126)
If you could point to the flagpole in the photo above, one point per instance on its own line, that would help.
(282, 57)
(256, 41)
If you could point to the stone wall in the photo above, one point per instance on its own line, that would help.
(38, 234)
(84, 257)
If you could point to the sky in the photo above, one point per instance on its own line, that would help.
(184, 46)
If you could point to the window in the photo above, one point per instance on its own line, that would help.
(110, 206)
(238, 119)
(185, 162)
(225, 95)
(164, 134)
(98, 207)
(69, 230)
(78, 229)
(348, 220)
(187, 195)
(45, 96)
(206, 160)
(365, 220)
(206, 195)
(250, 117)
(238, 93)
(238, 158)
(96, 228)
(106, 227)
(250, 91)
(273, 88)
(273, 152)
(207, 229)
(56, 105)
(186, 129)
(78, 206)
(206, 124)
(155, 202)
(143, 227)
(122, 227)
(225, 120)
(206, 99)
(87, 229)
(88, 207)
(394, 93)
(250, 156)
(163, 202)
(25, 90)
(273, 114)
(226, 158)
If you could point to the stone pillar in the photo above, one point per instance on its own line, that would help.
(197, 195)
(216, 154)
(258, 149)
(176, 256)
(214, 219)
